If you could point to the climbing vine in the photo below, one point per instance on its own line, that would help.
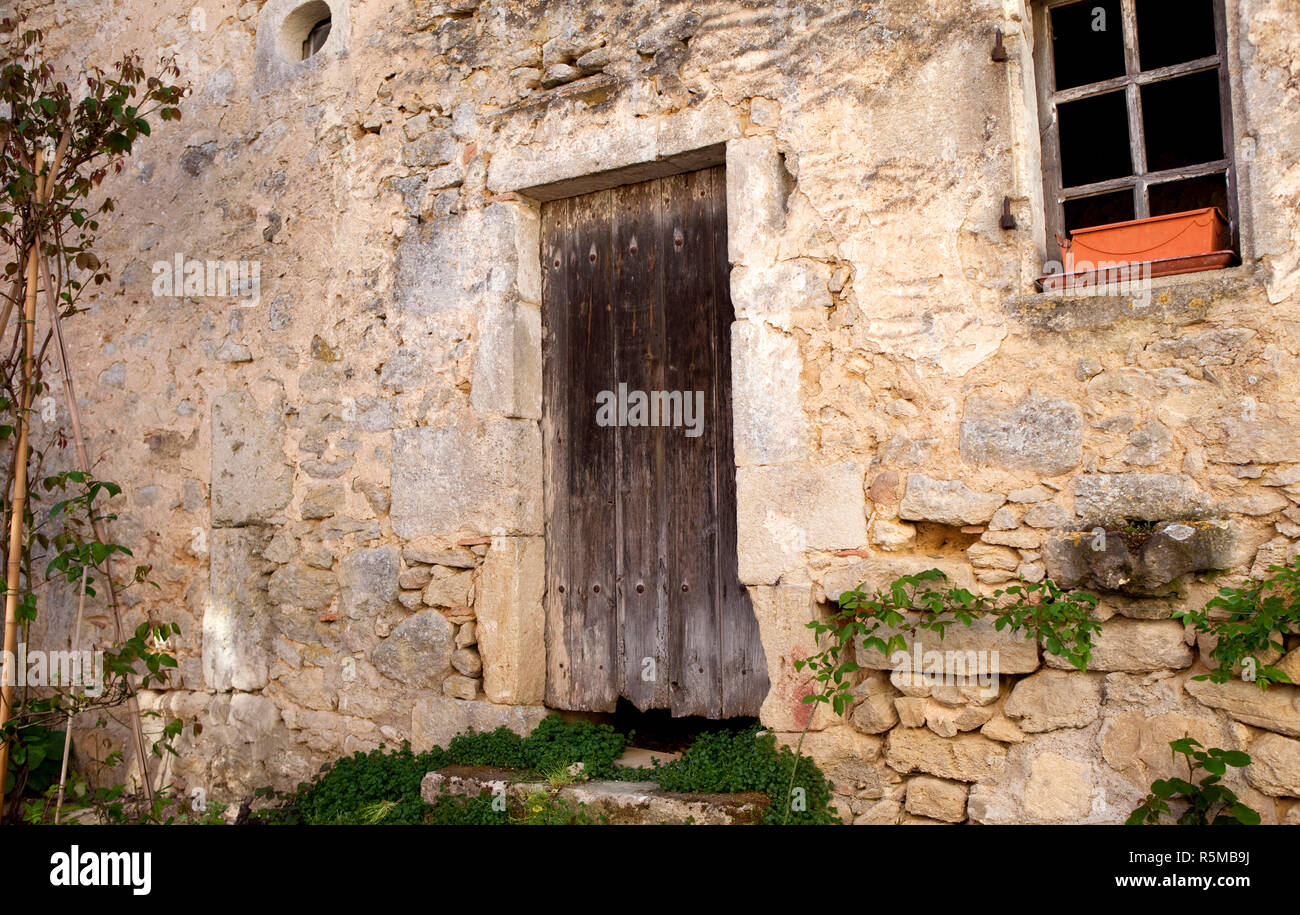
(1061, 621)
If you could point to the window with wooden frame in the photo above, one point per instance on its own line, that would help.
(1135, 111)
(315, 39)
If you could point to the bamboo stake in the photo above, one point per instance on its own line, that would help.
(17, 507)
(67, 733)
(100, 526)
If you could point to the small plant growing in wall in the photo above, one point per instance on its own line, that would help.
(1248, 622)
(1208, 802)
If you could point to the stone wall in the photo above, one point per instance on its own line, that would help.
(339, 487)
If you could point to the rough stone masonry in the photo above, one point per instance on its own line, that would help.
(340, 487)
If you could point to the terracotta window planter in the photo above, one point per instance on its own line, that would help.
(1163, 245)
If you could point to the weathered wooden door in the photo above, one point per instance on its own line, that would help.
(642, 595)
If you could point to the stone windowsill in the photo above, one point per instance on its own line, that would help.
(1180, 299)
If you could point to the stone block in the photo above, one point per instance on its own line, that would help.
(879, 572)
(987, 556)
(937, 799)
(321, 502)
(434, 552)
(873, 710)
(460, 687)
(507, 376)
(452, 266)
(573, 151)
(453, 591)
(510, 621)
(467, 476)
(435, 720)
(417, 653)
(948, 721)
(1103, 498)
(253, 716)
(369, 581)
(302, 588)
(890, 535)
(1137, 741)
(1275, 709)
(466, 661)
(1021, 539)
(767, 410)
(1058, 790)
(251, 479)
(910, 711)
(1044, 434)
(234, 648)
(1275, 765)
(1139, 563)
(1135, 645)
(435, 148)
(1048, 515)
(1053, 699)
(613, 802)
(787, 509)
(1003, 730)
(967, 655)
(757, 186)
(964, 758)
(948, 502)
(772, 292)
(783, 614)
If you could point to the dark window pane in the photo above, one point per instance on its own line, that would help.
(1100, 210)
(1174, 31)
(1181, 121)
(1094, 139)
(1189, 194)
(315, 39)
(1087, 42)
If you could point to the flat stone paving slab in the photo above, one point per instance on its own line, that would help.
(619, 803)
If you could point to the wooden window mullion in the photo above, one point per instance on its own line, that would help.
(1225, 121)
(1074, 93)
(1050, 131)
(1150, 178)
(1133, 98)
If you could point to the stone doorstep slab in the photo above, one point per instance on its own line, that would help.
(621, 803)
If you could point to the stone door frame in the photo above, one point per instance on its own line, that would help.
(595, 158)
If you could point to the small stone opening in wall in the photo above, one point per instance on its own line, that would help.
(305, 31)
(1136, 532)
(945, 539)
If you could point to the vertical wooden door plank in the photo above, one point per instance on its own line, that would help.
(639, 330)
(558, 253)
(744, 678)
(692, 535)
(591, 619)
